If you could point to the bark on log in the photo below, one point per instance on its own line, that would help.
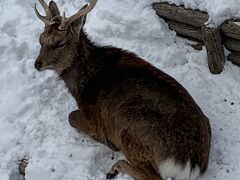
(234, 57)
(232, 44)
(194, 18)
(186, 30)
(230, 29)
(213, 43)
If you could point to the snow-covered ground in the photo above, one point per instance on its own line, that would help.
(34, 106)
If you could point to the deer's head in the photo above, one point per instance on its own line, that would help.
(60, 37)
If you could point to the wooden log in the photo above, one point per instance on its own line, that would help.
(193, 33)
(194, 18)
(213, 43)
(234, 57)
(186, 30)
(232, 44)
(230, 29)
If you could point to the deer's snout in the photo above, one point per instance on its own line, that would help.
(38, 65)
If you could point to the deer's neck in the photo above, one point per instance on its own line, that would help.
(85, 65)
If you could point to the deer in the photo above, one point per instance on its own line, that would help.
(125, 102)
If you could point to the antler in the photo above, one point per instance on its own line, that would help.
(84, 10)
(48, 20)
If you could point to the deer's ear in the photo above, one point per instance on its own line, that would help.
(54, 9)
(78, 25)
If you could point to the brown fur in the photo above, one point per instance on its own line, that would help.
(128, 104)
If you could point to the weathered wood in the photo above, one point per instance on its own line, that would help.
(193, 33)
(213, 43)
(231, 44)
(194, 18)
(186, 30)
(190, 24)
(230, 29)
(234, 57)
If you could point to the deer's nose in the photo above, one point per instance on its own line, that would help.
(38, 65)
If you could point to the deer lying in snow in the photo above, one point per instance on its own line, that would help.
(125, 102)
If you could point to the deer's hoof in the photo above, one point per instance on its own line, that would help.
(112, 175)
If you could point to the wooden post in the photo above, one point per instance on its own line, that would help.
(234, 57)
(213, 43)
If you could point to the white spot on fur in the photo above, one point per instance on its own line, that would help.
(171, 169)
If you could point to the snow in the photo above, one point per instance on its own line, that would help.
(34, 106)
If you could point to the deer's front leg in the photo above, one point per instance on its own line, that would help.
(89, 127)
(79, 121)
